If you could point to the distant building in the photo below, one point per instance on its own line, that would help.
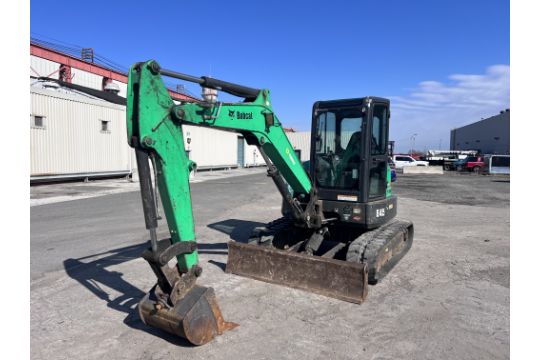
(488, 136)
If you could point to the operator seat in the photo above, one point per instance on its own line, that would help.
(350, 159)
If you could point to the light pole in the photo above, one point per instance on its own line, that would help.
(413, 138)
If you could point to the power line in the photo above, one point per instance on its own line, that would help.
(75, 51)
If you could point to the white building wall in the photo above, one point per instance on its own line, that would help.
(301, 140)
(43, 67)
(85, 78)
(123, 88)
(210, 147)
(252, 156)
(71, 141)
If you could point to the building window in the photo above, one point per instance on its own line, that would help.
(105, 126)
(38, 122)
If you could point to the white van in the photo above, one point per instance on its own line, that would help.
(498, 164)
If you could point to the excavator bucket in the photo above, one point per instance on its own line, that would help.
(195, 317)
(324, 276)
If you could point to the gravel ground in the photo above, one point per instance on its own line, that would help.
(447, 299)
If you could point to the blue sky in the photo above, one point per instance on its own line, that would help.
(442, 63)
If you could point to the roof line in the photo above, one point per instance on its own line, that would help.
(57, 56)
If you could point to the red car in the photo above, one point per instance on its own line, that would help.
(471, 163)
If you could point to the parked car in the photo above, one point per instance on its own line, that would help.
(446, 158)
(470, 163)
(393, 176)
(407, 160)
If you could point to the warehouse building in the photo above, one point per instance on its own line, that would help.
(75, 134)
(78, 122)
(488, 136)
(301, 142)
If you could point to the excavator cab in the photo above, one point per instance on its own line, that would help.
(349, 155)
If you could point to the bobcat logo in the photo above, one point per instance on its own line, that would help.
(231, 113)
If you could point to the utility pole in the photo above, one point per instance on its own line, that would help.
(413, 138)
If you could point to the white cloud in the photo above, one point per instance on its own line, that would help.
(433, 108)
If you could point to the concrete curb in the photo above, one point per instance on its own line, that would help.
(423, 170)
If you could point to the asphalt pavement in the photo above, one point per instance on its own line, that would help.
(448, 298)
(95, 225)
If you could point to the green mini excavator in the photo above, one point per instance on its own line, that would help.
(338, 231)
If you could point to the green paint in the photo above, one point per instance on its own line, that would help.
(249, 119)
(160, 133)
(388, 181)
(167, 143)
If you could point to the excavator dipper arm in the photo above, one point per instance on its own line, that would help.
(154, 129)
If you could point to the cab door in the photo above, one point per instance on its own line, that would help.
(378, 149)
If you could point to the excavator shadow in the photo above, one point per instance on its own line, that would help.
(238, 230)
(97, 272)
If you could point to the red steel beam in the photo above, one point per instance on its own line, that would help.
(56, 56)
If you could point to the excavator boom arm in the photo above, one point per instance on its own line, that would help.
(154, 124)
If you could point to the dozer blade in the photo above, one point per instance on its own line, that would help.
(329, 277)
(195, 317)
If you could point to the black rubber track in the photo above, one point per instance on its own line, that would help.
(370, 245)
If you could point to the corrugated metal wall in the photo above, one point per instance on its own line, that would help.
(488, 136)
(301, 140)
(123, 88)
(210, 147)
(43, 67)
(252, 156)
(71, 141)
(217, 148)
(84, 78)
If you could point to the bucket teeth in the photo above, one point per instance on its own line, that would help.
(195, 317)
